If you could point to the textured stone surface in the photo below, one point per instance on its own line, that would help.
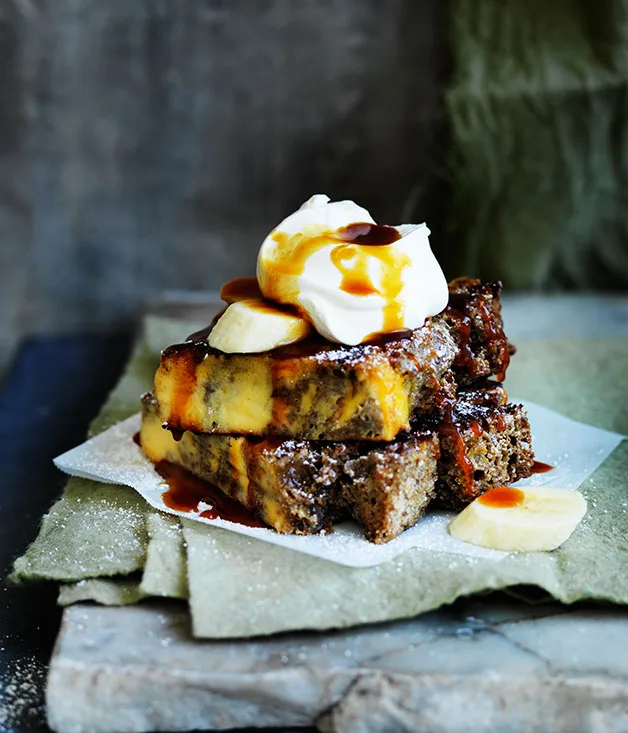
(474, 666)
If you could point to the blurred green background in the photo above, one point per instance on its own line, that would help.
(150, 145)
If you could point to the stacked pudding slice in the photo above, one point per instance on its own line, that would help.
(309, 433)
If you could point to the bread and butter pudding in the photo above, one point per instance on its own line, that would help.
(347, 379)
(318, 390)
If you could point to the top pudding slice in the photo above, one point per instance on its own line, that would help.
(319, 390)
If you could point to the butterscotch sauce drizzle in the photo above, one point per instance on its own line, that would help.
(451, 429)
(242, 288)
(361, 243)
(247, 288)
(381, 339)
(500, 422)
(186, 491)
(200, 337)
(287, 364)
(502, 497)
(354, 269)
(476, 428)
(370, 235)
(459, 310)
(453, 426)
(540, 467)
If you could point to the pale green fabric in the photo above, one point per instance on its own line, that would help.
(94, 530)
(97, 529)
(240, 587)
(165, 572)
(107, 591)
(587, 381)
(164, 575)
(538, 170)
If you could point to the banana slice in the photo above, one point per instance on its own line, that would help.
(531, 519)
(251, 326)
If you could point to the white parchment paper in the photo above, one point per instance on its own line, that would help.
(573, 448)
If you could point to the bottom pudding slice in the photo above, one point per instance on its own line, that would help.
(303, 486)
(291, 485)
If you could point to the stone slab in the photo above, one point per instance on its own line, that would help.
(481, 665)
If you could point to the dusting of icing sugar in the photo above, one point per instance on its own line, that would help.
(22, 694)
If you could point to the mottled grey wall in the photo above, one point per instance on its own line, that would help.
(15, 202)
(151, 144)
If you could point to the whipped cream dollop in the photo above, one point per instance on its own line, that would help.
(350, 277)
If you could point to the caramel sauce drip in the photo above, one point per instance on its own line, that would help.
(312, 345)
(370, 235)
(353, 262)
(500, 422)
(381, 339)
(476, 428)
(242, 288)
(449, 428)
(453, 427)
(540, 467)
(502, 497)
(247, 288)
(354, 269)
(362, 242)
(460, 310)
(183, 389)
(263, 305)
(200, 337)
(186, 491)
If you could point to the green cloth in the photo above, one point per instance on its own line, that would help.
(587, 381)
(97, 529)
(122, 591)
(536, 105)
(165, 572)
(241, 587)
(94, 530)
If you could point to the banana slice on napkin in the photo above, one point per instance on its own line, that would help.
(530, 519)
